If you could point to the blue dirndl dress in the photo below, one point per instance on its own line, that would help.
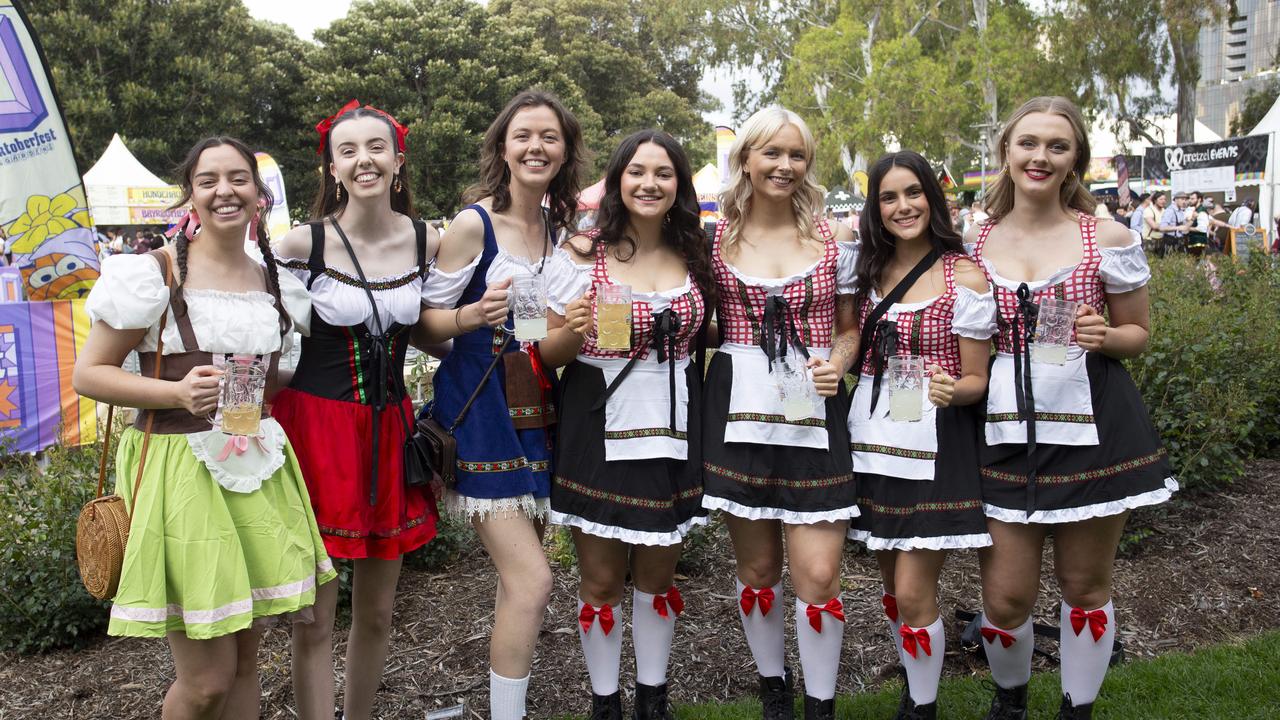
(500, 468)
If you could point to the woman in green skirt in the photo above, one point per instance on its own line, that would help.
(222, 534)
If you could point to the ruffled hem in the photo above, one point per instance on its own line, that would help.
(941, 542)
(974, 314)
(791, 517)
(467, 508)
(1124, 269)
(846, 262)
(1084, 512)
(633, 537)
(241, 484)
(566, 280)
(442, 290)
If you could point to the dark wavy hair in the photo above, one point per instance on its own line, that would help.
(326, 201)
(183, 172)
(682, 228)
(495, 176)
(878, 245)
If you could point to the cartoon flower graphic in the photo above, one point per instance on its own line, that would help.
(45, 218)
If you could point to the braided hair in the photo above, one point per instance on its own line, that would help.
(184, 172)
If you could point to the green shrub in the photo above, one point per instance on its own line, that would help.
(1211, 374)
(43, 605)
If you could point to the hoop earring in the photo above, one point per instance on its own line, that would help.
(337, 192)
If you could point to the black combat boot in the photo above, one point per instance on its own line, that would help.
(651, 703)
(1009, 704)
(1074, 712)
(606, 707)
(776, 695)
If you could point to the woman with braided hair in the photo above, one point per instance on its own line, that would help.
(371, 268)
(222, 533)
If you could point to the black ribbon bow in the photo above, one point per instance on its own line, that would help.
(778, 330)
(884, 344)
(666, 330)
(1024, 328)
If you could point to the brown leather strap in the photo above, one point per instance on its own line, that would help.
(146, 438)
(106, 450)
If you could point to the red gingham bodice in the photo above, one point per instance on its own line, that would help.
(925, 331)
(811, 300)
(1083, 285)
(690, 307)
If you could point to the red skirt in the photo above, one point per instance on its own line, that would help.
(333, 440)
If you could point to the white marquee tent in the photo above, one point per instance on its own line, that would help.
(123, 192)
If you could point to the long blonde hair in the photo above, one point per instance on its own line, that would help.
(1073, 193)
(806, 202)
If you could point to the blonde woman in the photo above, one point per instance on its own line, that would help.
(1069, 447)
(782, 312)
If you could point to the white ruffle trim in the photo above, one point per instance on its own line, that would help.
(974, 315)
(846, 263)
(464, 507)
(789, 517)
(1084, 512)
(442, 290)
(942, 542)
(272, 439)
(633, 537)
(1124, 269)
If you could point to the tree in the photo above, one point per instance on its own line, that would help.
(1256, 104)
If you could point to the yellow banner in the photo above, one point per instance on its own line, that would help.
(161, 197)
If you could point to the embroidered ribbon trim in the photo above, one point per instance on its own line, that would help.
(589, 613)
(670, 600)
(814, 612)
(1096, 619)
(751, 596)
(911, 639)
(890, 604)
(239, 444)
(991, 634)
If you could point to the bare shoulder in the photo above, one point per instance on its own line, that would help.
(467, 227)
(971, 235)
(579, 247)
(969, 275)
(1112, 234)
(843, 233)
(296, 243)
(433, 239)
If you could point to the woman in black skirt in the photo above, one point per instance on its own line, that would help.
(1069, 447)
(628, 467)
(775, 468)
(917, 471)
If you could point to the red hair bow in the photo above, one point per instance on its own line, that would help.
(324, 126)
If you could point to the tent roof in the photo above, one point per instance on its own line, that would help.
(1102, 142)
(1270, 122)
(589, 198)
(119, 167)
(707, 180)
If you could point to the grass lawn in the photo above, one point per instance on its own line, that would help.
(1227, 682)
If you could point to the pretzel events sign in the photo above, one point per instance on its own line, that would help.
(1247, 156)
(43, 209)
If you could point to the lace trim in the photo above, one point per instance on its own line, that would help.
(791, 517)
(275, 440)
(1084, 512)
(941, 542)
(466, 508)
(633, 537)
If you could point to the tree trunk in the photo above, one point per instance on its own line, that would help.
(1186, 69)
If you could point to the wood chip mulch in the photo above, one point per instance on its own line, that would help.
(1206, 574)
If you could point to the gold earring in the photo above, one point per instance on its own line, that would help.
(337, 191)
(398, 186)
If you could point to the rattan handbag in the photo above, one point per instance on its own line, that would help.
(102, 530)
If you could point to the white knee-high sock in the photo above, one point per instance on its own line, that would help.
(1009, 653)
(922, 652)
(819, 633)
(889, 602)
(761, 612)
(506, 696)
(601, 645)
(653, 626)
(1085, 641)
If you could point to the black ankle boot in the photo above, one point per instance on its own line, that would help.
(815, 709)
(912, 711)
(606, 707)
(651, 703)
(1074, 712)
(1009, 704)
(904, 701)
(776, 696)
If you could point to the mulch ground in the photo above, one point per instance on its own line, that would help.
(1205, 574)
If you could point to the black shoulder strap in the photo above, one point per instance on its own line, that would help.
(315, 261)
(420, 233)
(895, 295)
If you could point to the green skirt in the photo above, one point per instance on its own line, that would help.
(205, 561)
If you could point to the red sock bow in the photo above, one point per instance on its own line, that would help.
(589, 613)
(833, 606)
(890, 604)
(750, 596)
(672, 599)
(991, 634)
(912, 638)
(1097, 620)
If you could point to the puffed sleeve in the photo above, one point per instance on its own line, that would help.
(442, 290)
(845, 262)
(130, 294)
(1124, 269)
(296, 267)
(566, 280)
(975, 314)
(297, 301)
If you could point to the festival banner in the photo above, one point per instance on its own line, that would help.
(39, 342)
(43, 209)
(278, 222)
(1246, 156)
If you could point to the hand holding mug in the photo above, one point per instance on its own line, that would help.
(491, 308)
(826, 379)
(942, 387)
(578, 315)
(197, 393)
(1091, 328)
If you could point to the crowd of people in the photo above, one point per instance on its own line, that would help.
(990, 408)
